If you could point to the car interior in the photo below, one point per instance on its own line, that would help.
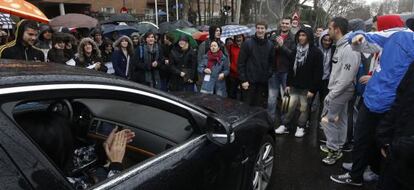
(156, 130)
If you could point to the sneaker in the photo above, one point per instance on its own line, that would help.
(370, 176)
(345, 179)
(332, 157)
(281, 130)
(347, 166)
(300, 132)
(347, 147)
(324, 148)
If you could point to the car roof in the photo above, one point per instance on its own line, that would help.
(16, 72)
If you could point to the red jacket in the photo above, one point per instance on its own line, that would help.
(234, 51)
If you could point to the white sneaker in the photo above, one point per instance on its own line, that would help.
(299, 132)
(281, 130)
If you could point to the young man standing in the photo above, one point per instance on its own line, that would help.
(304, 79)
(22, 48)
(345, 65)
(254, 66)
(285, 45)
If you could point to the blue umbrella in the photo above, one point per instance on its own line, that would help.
(120, 29)
(233, 30)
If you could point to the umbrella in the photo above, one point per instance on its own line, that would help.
(74, 20)
(6, 22)
(120, 29)
(200, 36)
(120, 17)
(23, 9)
(232, 30)
(203, 28)
(197, 35)
(182, 24)
(190, 30)
(144, 27)
(177, 33)
(167, 27)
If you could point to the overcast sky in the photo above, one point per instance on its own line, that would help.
(370, 1)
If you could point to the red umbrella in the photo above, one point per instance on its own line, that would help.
(200, 36)
(23, 9)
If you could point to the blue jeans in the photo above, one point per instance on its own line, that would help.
(275, 82)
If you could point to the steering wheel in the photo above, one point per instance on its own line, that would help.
(63, 107)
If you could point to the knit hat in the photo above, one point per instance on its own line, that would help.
(183, 38)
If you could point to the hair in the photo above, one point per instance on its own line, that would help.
(229, 39)
(169, 37)
(212, 31)
(262, 23)
(287, 18)
(107, 42)
(130, 47)
(375, 18)
(341, 23)
(30, 24)
(52, 132)
(146, 35)
(215, 41)
(81, 51)
(58, 37)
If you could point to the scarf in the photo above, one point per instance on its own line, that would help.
(327, 54)
(301, 54)
(214, 58)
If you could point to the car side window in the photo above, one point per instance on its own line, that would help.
(10, 176)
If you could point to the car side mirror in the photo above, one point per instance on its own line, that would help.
(219, 131)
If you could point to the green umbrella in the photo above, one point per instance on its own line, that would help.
(177, 33)
(190, 30)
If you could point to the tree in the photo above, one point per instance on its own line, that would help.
(284, 7)
(334, 9)
(363, 12)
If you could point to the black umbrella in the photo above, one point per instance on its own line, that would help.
(144, 27)
(171, 26)
(120, 17)
(120, 29)
(167, 27)
(183, 24)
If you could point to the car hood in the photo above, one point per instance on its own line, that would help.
(228, 110)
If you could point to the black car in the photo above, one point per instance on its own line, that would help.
(183, 141)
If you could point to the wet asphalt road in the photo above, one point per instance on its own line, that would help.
(299, 165)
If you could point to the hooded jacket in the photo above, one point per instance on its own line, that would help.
(308, 76)
(42, 43)
(357, 24)
(17, 50)
(397, 130)
(120, 62)
(255, 60)
(386, 22)
(327, 56)
(84, 61)
(345, 65)
(57, 55)
(397, 45)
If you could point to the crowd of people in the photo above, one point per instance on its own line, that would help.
(361, 80)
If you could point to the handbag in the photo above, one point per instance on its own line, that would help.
(285, 103)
